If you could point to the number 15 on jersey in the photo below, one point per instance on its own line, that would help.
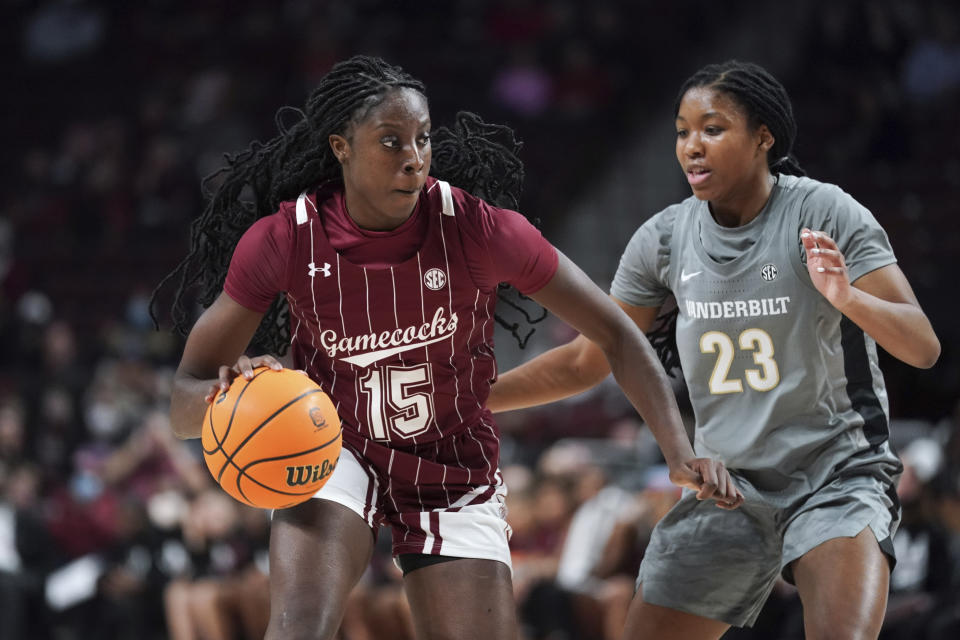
(398, 400)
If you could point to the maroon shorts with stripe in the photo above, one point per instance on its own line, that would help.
(442, 498)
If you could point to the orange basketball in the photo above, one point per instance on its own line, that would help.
(271, 441)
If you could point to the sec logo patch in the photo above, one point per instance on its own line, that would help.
(435, 279)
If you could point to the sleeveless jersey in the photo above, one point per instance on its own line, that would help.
(405, 351)
(783, 386)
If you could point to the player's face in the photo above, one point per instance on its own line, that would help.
(722, 156)
(386, 160)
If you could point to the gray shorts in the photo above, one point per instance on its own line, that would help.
(723, 564)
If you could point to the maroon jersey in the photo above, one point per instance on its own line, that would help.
(397, 327)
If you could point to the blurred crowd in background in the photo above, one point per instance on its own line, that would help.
(112, 528)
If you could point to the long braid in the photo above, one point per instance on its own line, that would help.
(766, 102)
(255, 181)
(482, 158)
(663, 338)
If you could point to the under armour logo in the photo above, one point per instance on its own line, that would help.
(325, 269)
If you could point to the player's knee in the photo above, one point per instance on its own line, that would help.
(303, 623)
(840, 626)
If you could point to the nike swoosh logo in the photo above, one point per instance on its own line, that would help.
(365, 359)
(686, 276)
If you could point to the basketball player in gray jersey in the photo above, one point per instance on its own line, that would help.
(751, 336)
(784, 286)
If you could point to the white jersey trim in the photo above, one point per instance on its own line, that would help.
(446, 197)
(302, 208)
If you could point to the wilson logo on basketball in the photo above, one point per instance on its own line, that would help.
(434, 279)
(308, 474)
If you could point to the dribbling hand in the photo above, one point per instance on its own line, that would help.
(710, 479)
(243, 367)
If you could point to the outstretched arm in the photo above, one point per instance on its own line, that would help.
(211, 358)
(576, 300)
(882, 303)
(561, 372)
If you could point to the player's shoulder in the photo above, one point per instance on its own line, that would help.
(473, 214)
(277, 226)
(686, 206)
(655, 234)
(466, 203)
(822, 204)
(664, 220)
(439, 196)
(287, 210)
(812, 192)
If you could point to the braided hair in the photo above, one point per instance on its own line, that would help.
(766, 103)
(762, 97)
(474, 155)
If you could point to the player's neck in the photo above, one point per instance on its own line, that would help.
(367, 216)
(743, 205)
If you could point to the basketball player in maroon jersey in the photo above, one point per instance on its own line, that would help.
(389, 278)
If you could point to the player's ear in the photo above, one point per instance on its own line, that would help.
(339, 146)
(765, 138)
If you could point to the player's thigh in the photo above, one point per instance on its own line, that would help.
(466, 598)
(645, 620)
(838, 548)
(327, 541)
(318, 551)
(843, 585)
(713, 563)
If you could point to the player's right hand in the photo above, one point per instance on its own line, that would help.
(710, 479)
(243, 367)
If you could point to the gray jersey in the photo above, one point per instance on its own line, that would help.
(783, 386)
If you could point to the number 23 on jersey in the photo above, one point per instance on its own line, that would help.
(757, 341)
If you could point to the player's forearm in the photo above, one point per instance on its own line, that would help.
(187, 405)
(901, 328)
(219, 337)
(643, 380)
(559, 373)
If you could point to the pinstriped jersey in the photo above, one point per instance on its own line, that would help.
(781, 383)
(405, 350)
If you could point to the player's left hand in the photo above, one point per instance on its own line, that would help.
(710, 479)
(826, 267)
